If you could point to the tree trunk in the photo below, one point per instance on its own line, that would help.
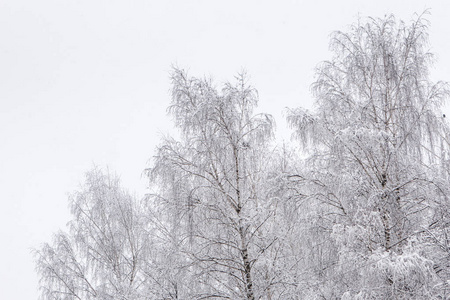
(247, 266)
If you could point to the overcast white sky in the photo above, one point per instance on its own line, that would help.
(85, 82)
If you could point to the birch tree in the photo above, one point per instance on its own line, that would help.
(104, 255)
(213, 181)
(377, 141)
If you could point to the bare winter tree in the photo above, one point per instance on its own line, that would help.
(377, 143)
(105, 253)
(214, 180)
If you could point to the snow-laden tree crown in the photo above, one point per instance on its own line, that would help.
(355, 207)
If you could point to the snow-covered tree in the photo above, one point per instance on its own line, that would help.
(105, 253)
(214, 181)
(377, 141)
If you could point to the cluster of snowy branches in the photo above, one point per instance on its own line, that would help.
(356, 207)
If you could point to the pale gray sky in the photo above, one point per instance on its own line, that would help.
(85, 82)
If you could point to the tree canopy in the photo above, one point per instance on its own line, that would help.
(359, 211)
